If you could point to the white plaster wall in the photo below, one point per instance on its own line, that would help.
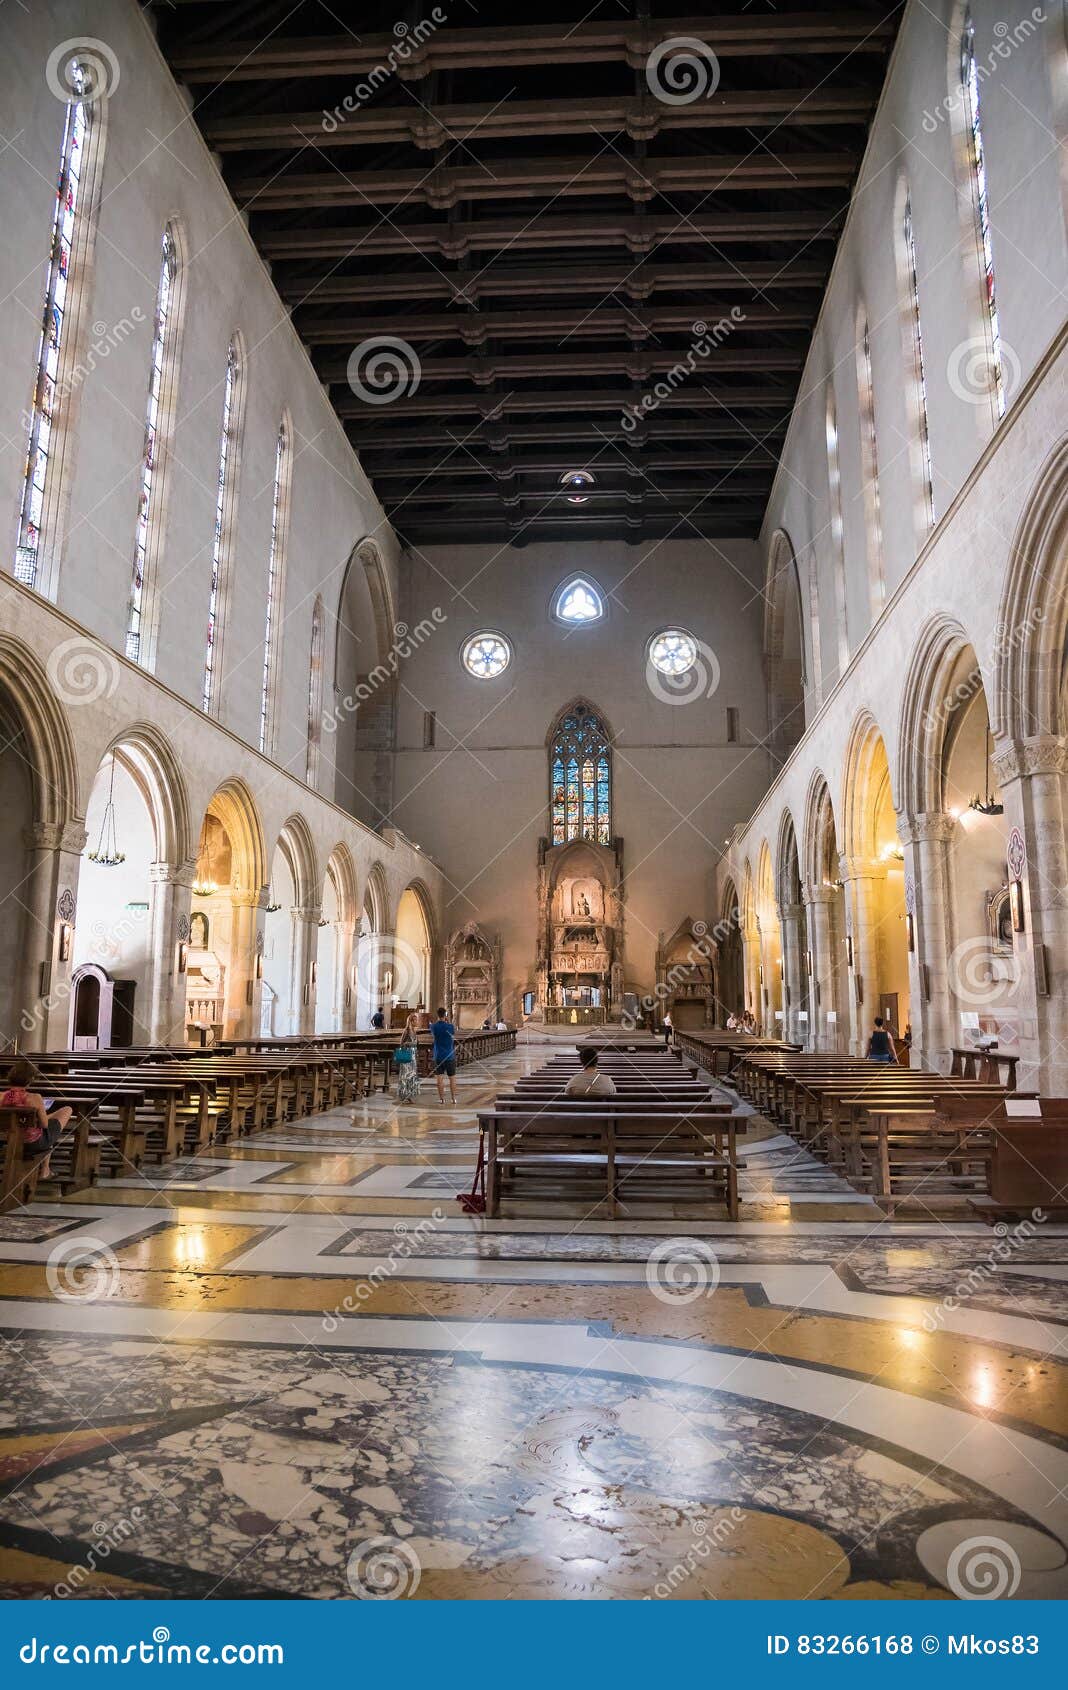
(156, 167)
(913, 137)
(478, 801)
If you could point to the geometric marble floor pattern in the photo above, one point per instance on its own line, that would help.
(293, 1367)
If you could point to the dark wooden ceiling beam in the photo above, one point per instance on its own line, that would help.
(698, 396)
(637, 281)
(642, 366)
(638, 231)
(607, 469)
(387, 443)
(639, 116)
(476, 328)
(618, 41)
(443, 186)
(642, 495)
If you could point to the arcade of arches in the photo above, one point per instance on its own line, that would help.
(407, 604)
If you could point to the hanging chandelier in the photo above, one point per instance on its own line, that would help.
(987, 805)
(107, 853)
(204, 886)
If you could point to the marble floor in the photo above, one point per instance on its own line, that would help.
(294, 1367)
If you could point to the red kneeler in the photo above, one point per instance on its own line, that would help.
(473, 1202)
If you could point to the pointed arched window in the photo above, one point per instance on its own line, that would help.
(976, 153)
(141, 619)
(56, 374)
(869, 457)
(222, 537)
(276, 588)
(918, 384)
(580, 777)
(315, 693)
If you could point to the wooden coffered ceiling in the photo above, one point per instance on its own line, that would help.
(581, 275)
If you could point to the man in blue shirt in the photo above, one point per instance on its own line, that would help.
(444, 1036)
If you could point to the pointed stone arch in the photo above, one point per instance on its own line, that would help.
(155, 767)
(866, 774)
(785, 625)
(940, 680)
(297, 846)
(30, 700)
(235, 807)
(1027, 694)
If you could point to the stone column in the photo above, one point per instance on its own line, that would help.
(305, 930)
(243, 988)
(862, 877)
(171, 901)
(818, 901)
(344, 961)
(48, 896)
(1031, 780)
(926, 839)
(754, 997)
(793, 973)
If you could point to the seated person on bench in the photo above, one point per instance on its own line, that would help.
(589, 1081)
(42, 1138)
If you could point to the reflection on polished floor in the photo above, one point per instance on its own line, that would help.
(293, 1367)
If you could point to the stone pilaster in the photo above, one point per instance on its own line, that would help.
(1031, 779)
(171, 902)
(862, 877)
(48, 896)
(926, 839)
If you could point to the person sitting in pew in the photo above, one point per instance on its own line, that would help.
(881, 1047)
(41, 1138)
(589, 1081)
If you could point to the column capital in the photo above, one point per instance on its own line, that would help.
(862, 868)
(246, 900)
(820, 894)
(790, 912)
(1017, 759)
(57, 836)
(176, 874)
(929, 826)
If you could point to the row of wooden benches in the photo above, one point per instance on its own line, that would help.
(135, 1107)
(663, 1125)
(911, 1136)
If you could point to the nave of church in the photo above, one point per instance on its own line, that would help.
(534, 794)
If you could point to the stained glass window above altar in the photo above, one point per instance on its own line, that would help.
(581, 782)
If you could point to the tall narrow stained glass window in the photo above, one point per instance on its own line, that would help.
(970, 80)
(275, 584)
(581, 779)
(223, 500)
(69, 190)
(150, 462)
(912, 276)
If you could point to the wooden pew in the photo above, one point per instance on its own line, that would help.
(610, 1147)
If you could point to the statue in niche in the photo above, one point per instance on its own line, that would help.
(198, 931)
(586, 900)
